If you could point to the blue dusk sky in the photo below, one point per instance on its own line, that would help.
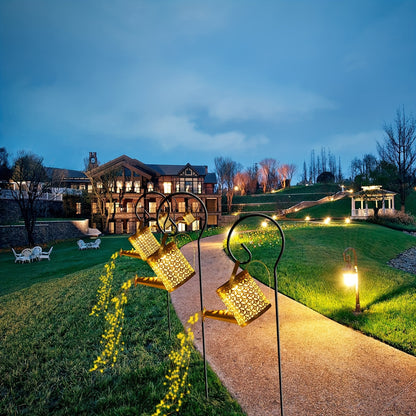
(171, 82)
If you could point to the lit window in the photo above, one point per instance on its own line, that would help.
(152, 207)
(78, 208)
(195, 225)
(128, 186)
(167, 187)
(137, 186)
(181, 227)
(150, 187)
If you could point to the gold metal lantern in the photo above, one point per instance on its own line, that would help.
(188, 218)
(243, 297)
(144, 243)
(171, 266)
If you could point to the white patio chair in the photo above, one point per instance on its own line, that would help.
(26, 255)
(96, 244)
(36, 252)
(17, 256)
(82, 245)
(46, 254)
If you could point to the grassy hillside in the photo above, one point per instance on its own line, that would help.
(286, 198)
(282, 199)
(334, 209)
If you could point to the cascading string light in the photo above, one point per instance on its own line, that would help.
(178, 374)
(112, 334)
(104, 291)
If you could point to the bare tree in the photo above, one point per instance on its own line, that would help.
(242, 181)
(5, 171)
(103, 187)
(220, 167)
(286, 172)
(398, 149)
(304, 174)
(268, 174)
(226, 170)
(356, 167)
(332, 163)
(30, 182)
(312, 169)
(339, 178)
(323, 160)
(253, 174)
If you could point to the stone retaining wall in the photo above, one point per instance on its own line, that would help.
(45, 232)
(10, 211)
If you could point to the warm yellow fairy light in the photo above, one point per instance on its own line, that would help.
(104, 291)
(347, 220)
(178, 374)
(307, 218)
(327, 220)
(112, 335)
(264, 224)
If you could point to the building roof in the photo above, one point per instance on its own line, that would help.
(373, 193)
(65, 174)
(147, 170)
(174, 170)
(124, 161)
(211, 178)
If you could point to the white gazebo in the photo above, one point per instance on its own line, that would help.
(372, 196)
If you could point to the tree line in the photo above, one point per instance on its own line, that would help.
(268, 174)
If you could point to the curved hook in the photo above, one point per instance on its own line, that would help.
(245, 247)
(168, 198)
(347, 255)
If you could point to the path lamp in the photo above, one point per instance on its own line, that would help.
(350, 273)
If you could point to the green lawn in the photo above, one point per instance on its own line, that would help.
(334, 209)
(310, 272)
(48, 341)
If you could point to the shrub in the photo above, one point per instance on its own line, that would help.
(397, 220)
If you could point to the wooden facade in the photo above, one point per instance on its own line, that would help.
(122, 182)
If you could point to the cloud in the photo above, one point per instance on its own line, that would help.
(171, 132)
(278, 105)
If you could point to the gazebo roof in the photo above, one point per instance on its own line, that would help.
(373, 193)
